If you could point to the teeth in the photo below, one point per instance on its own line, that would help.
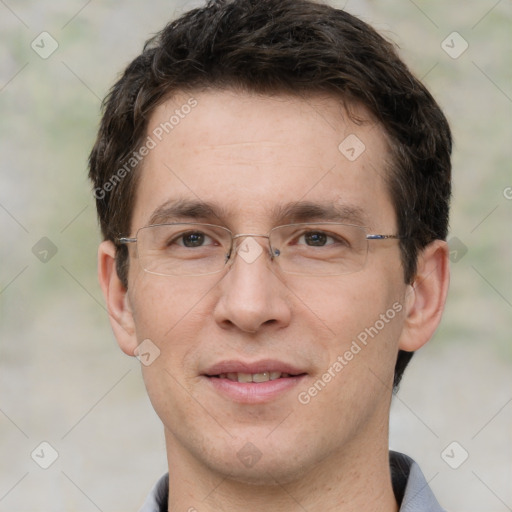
(261, 377)
(253, 377)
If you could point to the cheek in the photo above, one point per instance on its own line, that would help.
(343, 307)
(167, 308)
(358, 323)
(171, 317)
(176, 316)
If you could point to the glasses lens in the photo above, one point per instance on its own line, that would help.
(183, 249)
(328, 249)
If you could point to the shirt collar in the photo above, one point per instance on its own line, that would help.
(409, 485)
(411, 489)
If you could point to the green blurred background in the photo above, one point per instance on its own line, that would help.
(62, 378)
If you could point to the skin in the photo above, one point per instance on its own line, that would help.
(247, 154)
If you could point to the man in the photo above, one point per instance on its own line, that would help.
(273, 186)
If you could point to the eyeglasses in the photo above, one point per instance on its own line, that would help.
(193, 249)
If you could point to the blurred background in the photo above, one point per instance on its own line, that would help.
(63, 380)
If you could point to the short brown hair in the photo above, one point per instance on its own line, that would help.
(291, 47)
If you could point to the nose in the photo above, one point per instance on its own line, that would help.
(252, 297)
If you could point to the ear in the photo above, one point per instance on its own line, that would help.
(116, 297)
(426, 297)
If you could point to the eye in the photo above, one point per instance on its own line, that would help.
(316, 239)
(193, 239)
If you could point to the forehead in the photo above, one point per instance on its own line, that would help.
(250, 156)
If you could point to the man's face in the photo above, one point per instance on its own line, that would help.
(250, 158)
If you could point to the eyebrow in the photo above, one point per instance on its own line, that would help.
(185, 209)
(299, 211)
(307, 211)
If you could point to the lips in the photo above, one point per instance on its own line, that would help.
(253, 383)
(260, 371)
(253, 377)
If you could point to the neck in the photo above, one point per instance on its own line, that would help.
(354, 480)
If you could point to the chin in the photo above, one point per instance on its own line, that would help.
(275, 473)
(269, 466)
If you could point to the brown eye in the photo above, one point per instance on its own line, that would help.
(315, 238)
(195, 239)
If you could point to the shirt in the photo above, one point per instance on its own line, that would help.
(409, 485)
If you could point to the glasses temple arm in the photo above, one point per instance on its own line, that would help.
(126, 240)
(384, 237)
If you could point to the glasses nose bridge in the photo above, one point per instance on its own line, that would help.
(254, 235)
(234, 238)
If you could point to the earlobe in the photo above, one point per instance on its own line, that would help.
(116, 298)
(426, 298)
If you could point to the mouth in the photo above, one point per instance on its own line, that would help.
(253, 383)
(254, 377)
